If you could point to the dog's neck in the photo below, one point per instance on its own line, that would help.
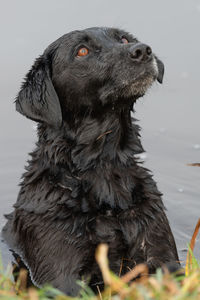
(91, 141)
(95, 150)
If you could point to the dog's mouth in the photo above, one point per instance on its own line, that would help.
(138, 87)
(133, 85)
(132, 88)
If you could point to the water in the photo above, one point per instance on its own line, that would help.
(169, 114)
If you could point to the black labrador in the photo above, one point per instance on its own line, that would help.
(84, 184)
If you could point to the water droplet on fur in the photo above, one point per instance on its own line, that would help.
(34, 127)
(142, 156)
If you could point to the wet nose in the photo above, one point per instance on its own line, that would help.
(140, 52)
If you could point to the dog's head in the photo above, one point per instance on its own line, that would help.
(87, 69)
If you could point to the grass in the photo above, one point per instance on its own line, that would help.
(162, 286)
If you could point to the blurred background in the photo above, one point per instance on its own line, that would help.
(169, 114)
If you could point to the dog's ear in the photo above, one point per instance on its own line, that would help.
(161, 70)
(37, 99)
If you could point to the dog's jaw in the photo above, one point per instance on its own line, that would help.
(139, 86)
(130, 89)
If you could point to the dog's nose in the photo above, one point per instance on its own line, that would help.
(140, 52)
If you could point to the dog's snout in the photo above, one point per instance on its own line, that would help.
(140, 52)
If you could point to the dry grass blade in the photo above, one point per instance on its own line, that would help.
(7, 294)
(32, 293)
(194, 165)
(22, 280)
(111, 280)
(141, 270)
(154, 283)
(99, 293)
(192, 244)
(171, 287)
(101, 258)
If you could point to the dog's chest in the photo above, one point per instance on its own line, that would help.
(103, 189)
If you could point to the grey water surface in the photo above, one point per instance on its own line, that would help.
(169, 114)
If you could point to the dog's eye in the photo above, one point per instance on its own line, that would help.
(82, 52)
(124, 40)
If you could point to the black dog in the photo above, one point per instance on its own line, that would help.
(84, 184)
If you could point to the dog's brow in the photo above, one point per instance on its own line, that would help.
(117, 34)
(85, 39)
(89, 39)
(82, 39)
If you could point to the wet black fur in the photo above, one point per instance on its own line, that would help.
(83, 184)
